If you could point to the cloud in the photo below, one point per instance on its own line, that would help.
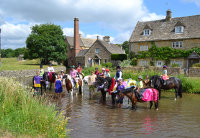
(70, 31)
(14, 36)
(197, 2)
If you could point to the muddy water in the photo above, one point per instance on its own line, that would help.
(91, 119)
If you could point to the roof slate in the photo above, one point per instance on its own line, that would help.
(165, 30)
(84, 42)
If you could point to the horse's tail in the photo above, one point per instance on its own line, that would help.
(180, 89)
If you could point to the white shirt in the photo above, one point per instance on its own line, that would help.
(51, 69)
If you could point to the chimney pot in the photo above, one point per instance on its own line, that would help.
(106, 39)
(97, 37)
(169, 15)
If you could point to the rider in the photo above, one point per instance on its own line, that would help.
(73, 74)
(118, 74)
(37, 80)
(140, 83)
(91, 81)
(50, 69)
(41, 71)
(97, 71)
(107, 73)
(120, 86)
(103, 72)
(146, 82)
(79, 68)
(164, 74)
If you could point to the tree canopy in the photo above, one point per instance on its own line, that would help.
(125, 46)
(47, 42)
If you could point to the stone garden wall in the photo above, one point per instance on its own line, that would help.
(25, 73)
(194, 72)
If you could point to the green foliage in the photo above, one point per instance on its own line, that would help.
(175, 65)
(125, 46)
(47, 42)
(108, 64)
(125, 63)
(152, 63)
(132, 55)
(134, 62)
(196, 65)
(118, 57)
(7, 53)
(23, 114)
(165, 53)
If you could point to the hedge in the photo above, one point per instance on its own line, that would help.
(119, 57)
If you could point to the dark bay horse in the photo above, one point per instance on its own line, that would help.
(104, 84)
(49, 79)
(171, 83)
(134, 96)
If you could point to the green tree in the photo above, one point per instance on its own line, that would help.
(125, 46)
(7, 53)
(19, 51)
(47, 42)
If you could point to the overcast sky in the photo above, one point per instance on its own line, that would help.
(116, 18)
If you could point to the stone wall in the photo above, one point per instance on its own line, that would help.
(25, 73)
(194, 72)
(171, 71)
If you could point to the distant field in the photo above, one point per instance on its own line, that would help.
(14, 64)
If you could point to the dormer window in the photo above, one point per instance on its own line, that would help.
(147, 32)
(179, 29)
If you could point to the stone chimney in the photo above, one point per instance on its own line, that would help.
(106, 39)
(97, 37)
(77, 47)
(169, 15)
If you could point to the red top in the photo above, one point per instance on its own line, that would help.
(79, 69)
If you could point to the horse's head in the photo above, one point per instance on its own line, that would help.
(101, 83)
(45, 76)
(155, 81)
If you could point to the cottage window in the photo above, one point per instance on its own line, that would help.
(178, 62)
(144, 47)
(147, 32)
(144, 63)
(177, 44)
(179, 29)
(97, 50)
(159, 63)
(105, 61)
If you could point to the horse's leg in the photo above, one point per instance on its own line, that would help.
(156, 104)
(180, 91)
(103, 95)
(113, 98)
(151, 103)
(133, 105)
(159, 93)
(176, 93)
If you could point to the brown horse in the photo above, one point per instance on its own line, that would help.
(135, 97)
(69, 84)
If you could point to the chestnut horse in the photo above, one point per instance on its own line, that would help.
(134, 96)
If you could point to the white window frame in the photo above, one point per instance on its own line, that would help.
(144, 47)
(97, 50)
(144, 63)
(177, 44)
(159, 65)
(147, 32)
(179, 29)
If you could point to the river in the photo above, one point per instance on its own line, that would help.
(89, 118)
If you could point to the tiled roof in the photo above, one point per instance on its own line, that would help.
(82, 52)
(114, 49)
(84, 42)
(165, 30)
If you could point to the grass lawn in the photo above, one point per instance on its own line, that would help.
(14, 64)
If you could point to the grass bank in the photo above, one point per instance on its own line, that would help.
(14, 64)
(23, 115)
(190, 84)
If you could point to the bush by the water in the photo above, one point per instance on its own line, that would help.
(24, 115)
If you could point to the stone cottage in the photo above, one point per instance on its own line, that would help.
(179, 33)
(89, 51)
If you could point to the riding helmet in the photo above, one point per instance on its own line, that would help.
(118, 67)
(164, 66)
(140, 77)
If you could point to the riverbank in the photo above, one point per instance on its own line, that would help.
(190, 84)
(24, 115)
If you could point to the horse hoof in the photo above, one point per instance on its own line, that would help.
(156, 109)
(175, 99)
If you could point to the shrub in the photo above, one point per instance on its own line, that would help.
(175, 65)
(152, 63)
(196, 65)
(132, 55)
(109, 64)
(134, 62)
(125, 63)
(118, 57)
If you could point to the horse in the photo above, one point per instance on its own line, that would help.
(105, 85)
(148, 95)
(42, 83)
(69, 83)
(49, 79)
(172, 82)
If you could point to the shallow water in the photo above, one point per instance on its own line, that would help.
(89, 118)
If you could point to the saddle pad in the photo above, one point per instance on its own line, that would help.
(150, 94)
